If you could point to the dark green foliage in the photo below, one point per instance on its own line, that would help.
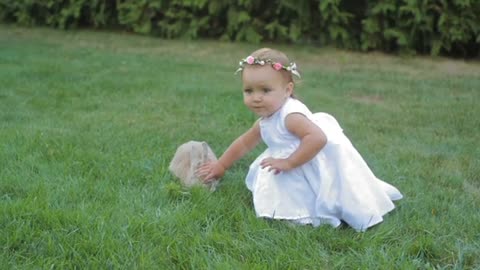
(425, 26)
(336, 23)
(60, 14)
(412, 26)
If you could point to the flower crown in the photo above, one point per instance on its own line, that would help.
(250, 60)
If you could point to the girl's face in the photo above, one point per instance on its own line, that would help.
(264, 89)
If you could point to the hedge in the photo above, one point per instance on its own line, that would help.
(436, 27)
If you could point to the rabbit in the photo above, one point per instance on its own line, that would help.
(188, 157)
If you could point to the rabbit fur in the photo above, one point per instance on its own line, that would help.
(188, 157)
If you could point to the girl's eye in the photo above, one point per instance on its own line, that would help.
(266, 90)
(248, 91)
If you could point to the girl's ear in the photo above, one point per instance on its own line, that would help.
(289, 89)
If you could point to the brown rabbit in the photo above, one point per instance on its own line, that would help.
(188, 157)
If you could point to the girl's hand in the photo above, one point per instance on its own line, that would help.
(210, 171)
(276, 165)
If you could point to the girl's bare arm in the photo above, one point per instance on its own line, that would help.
(312, 141)
(241, 146)
(312, 138)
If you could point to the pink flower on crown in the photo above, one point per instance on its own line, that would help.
(277, 66)
(250, 60)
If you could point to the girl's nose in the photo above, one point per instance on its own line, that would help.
(257, 97)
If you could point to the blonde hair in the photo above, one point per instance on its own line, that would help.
(275, 56)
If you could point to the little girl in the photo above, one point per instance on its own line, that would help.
(310, 173)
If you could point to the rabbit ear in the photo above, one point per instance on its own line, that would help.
(180, 163)
(192, 159)
(192, 150)
(205, 152)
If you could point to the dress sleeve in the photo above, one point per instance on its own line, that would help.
(325, 121)
(293, 106)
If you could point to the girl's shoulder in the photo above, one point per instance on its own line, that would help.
(293, 105)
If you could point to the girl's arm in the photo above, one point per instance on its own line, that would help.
(241, 146)
(312, 141)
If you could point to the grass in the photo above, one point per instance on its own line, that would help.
(89, 122)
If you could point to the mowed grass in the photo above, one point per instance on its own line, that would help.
(89, 122)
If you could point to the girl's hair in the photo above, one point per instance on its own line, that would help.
(275, 56)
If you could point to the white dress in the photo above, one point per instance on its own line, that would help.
(336, 185)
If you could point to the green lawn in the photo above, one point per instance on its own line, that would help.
(89, 122)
